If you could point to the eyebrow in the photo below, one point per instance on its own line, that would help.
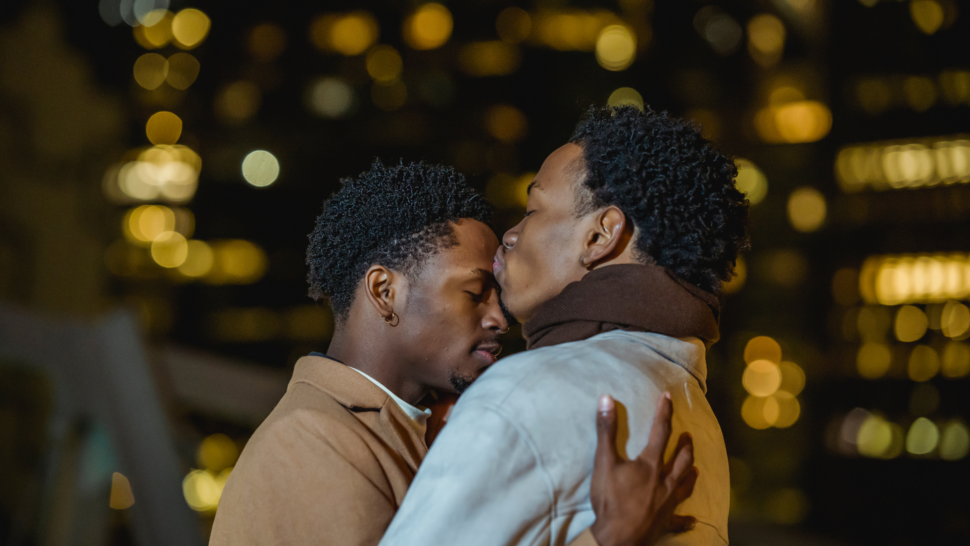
(533, 184)
(479, 272)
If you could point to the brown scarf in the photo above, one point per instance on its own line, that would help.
(641, 298)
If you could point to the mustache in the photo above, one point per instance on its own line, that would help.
(505, 309)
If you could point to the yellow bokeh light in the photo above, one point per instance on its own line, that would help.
(266, 42)
(955, 86)
(150, 70)
(216, 453)
(183, 69)
(429, 27)
(190, 27)
(875, 437)
(873, 360)
(874, 95)
(806, 209)
(155, 35)
(753, 412)
(955, 319)
(923, 437)
(348, 34)
(203, 490)
(616, 47)
(625, 96)
(955, 443)
(956, 360)
(789, 410)
(736, 283)
(506, 123)
(163, 128)
(331, 97)
(920, 92)
(494, 58)
(911, 323)
(141, 225)
(260, 168)
(792, 378)
(513, 25)
(121, 497)
(508, 191)
(236, 262)
(384, 63)
(923, 364)
(170, 249)
(390, 95)
(751, 181)
(198, 261)
(160, 172)
(893, 280)
(794, 122)
(927, 14)
(762, 348)
(238, 102)
(766, 39)
(761, 378)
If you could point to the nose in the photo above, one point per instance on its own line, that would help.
(494, 318)
(510, 238)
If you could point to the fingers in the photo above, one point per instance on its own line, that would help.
(659, 433)
(686, 486)
(683, 457)
(679, 524)
(606, 455)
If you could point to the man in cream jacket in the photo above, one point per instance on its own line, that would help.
(629, 231)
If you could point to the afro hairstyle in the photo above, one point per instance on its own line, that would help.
(678, 190)
(396, 216)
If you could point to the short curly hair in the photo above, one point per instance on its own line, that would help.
(396, 216)
(678, 190)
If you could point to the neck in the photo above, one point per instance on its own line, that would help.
(375, 353)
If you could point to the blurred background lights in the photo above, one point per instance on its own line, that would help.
(148, 12)
(736, 283)
(493, 58)
(895, 165)
(150, 70)
(955, 362)
(513, 25)
(348, 34)
(183, 69)
(203, 489)
(157, 34)
(923, 437)
(955, 319)
(190, 27)
(389, 95)
(238, 102)
(920, 92)
(169, 173)
(198, 260)
(616, 47)
(761, 378)
(141, 225)
(169, 249)
(766, 39)
(873, 360)
(163, 128)
(794, 122)
(260, 168)
(721, 31)
(507, 191)
(792, 378)
(751, 181)
(955, 441)
(384, 63)
(331, 97)
(625, 96)
(910, 324)
(806, 209)
(266, 42)
(506, 123)
(236, 262)
(924, 363)
(762, 348)
(216, 453)
(429, 27)
(875, 437)
(928, 278)
(927, 14)
(121, 497)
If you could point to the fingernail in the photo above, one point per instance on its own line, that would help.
(605, 403)
(667, 396)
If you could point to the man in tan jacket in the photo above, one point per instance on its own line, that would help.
(403, 255)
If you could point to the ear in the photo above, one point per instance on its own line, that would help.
(608, 237)
(381, 287)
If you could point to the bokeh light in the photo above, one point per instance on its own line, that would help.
(150, 70)
(806, 209)
(238, 102)
(736, 283)
(955, 362)
(348, 34)
(721, 31)
(384, 63)
(507, 191)
(163, 128)
(751, 181)
(429, 27)
(183, 69)
(792, 378)
(762, 348)
(266, 42)
(894, 280)
(955, 320)
(789, 410)
(493, 58)
(190, 28)
(506, 123)
(625, 96)
(898, 165)
(198, 260)
(169, 249)
(513, 25)
(923, 437)
(875, 437)
(873, 360)
(236, 262)
(216, 453)
(616, 47)
(158, 34)
(927, 14)
(761, 378)
(910, 324)
(955, 441)
(766, 39)
(331, 97)
(754, 411)
(203, 490)
(121, 497)
(141, 225)
(260, 168)
(924, 363)
(794, 122)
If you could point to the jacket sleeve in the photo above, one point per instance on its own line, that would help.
(481, 483)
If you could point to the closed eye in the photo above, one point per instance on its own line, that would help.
(476, 297)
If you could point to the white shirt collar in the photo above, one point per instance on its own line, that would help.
(418, 416)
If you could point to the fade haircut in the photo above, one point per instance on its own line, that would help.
(675, 187)
(396, 216)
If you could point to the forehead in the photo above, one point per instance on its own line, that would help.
(560, 170)
(476, 248)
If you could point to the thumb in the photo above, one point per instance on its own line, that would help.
(606, 455)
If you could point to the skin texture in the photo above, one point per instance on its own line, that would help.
(442, 327)
(551, 247)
